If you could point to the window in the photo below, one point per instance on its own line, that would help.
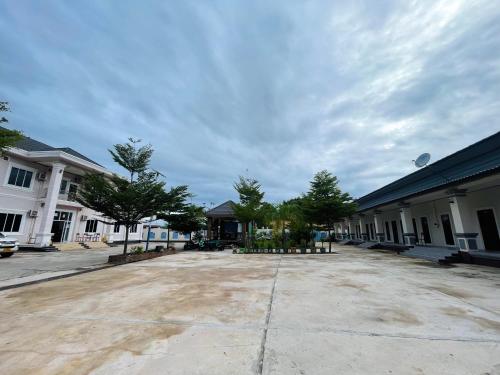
(163, 235)
(10, 223)
(20, 177)
(175, 235)
(116, 228)
(91, 226)
(62, 188)
(133, 228)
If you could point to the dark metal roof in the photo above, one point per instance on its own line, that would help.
(223, 210)
(70, 151)
(30, 144)
(473, 162)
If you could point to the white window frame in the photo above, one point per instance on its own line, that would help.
(19, 166)
(23, 220)
(114, 228)
(136, 228)
(66, 189)
(96, 226)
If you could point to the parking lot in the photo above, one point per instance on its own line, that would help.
(354, 312)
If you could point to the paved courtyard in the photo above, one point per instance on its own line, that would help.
(355, 312)
(30, 266)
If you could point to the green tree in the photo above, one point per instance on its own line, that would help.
(127, 201)
(250, 208)
(325, 203)
(8, 138)
(190, 218)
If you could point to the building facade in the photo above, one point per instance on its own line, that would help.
(38, 185)
(454, 202)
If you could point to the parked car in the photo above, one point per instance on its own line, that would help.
(8, 246)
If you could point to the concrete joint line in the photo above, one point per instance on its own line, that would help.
(260, 363)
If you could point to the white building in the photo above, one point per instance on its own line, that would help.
(38, 184)
(453, 203)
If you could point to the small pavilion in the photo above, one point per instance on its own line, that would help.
(222, 223)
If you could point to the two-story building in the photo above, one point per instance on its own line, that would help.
(38, 184)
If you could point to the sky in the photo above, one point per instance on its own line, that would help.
(273, 90)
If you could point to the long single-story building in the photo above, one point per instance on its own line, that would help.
(37, 197)
(453, 203)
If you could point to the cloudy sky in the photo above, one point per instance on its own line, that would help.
(276, 90)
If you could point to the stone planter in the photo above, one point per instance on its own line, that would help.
(129, 258)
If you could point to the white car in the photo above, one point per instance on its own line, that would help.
(8, 246)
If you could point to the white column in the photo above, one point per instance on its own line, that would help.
(44, 237)
(379, 231)
(362, 228)
(408, 233)
(110, 232)
(352, 229)
(461, 216)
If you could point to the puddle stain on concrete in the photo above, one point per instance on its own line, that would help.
(465, 314)
(387, 315)
(85, 346)
(453, 292)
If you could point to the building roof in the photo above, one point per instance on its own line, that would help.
(473, 162)
(30, 144)
(223, 210)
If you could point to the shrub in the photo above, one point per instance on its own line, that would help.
(137, 250)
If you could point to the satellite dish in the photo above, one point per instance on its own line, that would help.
(422, 160)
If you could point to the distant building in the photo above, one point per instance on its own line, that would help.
(161, 233)
(222, 223)
(37, 197)
(454, 202)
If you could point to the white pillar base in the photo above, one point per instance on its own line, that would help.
(43, 239)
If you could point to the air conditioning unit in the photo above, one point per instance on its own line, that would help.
(41, 176)
(32, 213)
(83, 218)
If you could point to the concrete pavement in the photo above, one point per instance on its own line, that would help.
(32, 266)
(355, 312)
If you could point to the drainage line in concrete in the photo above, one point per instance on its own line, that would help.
(266, 326)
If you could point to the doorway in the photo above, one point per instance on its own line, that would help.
(426, 233)
(489, 229)
(61, 226)
(448, 232)
(395, 234)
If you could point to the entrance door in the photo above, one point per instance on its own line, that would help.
(425, 230)
(489, 229)
(448, 233)
(61, 226)
(58, 230)
(395, 231)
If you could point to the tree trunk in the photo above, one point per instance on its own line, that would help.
(168, 236)
(244, 234)
(125, 245)
(329, 240)
(283, 235)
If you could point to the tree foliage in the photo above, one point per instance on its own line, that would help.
(8, 138)
(191, 219)
(251, 208)
(128, 201)
(325, 203)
